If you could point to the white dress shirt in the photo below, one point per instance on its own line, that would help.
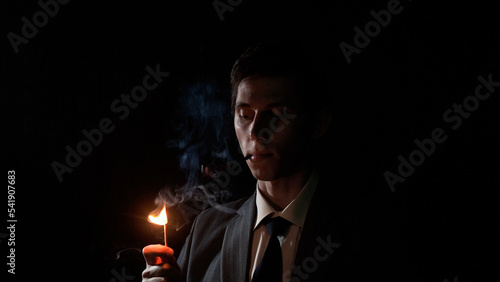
(295, 212)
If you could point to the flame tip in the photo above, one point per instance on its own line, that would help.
(161, 218)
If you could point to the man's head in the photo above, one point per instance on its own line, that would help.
(278, 108)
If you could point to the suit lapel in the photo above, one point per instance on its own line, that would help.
(318, 224)
(325, 223)
(236, 244)
(311, 229)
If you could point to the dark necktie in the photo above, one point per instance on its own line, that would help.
(270, 267)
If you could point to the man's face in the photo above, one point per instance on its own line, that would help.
(269, 126)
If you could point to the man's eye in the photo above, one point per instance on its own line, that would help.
(245, 117)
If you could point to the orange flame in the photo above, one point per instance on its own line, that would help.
(160, 218)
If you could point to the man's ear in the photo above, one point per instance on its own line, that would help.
(321, 122)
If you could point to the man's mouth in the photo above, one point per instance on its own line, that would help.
(259, 156)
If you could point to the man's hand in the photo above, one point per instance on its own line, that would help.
(160, 265)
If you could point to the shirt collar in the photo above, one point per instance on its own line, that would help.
(296, 211)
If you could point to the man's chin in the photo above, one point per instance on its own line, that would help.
(263, 174)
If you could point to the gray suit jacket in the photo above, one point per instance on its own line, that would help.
(331, 247)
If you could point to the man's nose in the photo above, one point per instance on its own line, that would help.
(259, 130)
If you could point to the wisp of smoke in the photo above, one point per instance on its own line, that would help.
(203, 131)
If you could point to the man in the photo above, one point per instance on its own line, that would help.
(279, 115)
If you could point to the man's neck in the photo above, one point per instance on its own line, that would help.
(282, 191)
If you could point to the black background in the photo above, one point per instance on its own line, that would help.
(395, 90)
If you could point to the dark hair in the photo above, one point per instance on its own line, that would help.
(281, 58)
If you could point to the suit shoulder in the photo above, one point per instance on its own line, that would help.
(222, 212)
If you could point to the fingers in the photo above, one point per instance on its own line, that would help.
(160, 264)
(166, 271)
(154, 279)
(156, 270)
(158, 254)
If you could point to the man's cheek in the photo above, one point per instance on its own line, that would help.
(243, 147)
(239, 136)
